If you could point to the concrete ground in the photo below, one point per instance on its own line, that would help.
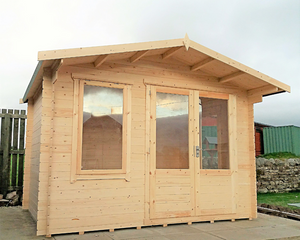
(16, 223)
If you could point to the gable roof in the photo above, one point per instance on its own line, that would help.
(192, 56)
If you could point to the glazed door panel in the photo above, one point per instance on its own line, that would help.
(171, 153)
(216, 166)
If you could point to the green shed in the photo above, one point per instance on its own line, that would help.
(282, 139)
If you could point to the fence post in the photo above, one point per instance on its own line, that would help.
(14, 154)
(1, 149)
(21, 147)
(6, 145)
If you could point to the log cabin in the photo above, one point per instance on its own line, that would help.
(115, 137)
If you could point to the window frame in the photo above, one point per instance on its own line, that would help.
(232, 134)
(222, 97)
(76, 172)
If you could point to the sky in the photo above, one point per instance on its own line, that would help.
(264, 35)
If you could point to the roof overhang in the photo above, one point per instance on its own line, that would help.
(180, 48)
(37, 74)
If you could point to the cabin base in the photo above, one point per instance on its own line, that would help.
(163, 222)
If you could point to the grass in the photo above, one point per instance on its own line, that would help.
(280, 155)
(279, 199)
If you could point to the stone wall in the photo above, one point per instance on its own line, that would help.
(275, 175)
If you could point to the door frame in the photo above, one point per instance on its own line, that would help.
(194, 164)
(153, 172)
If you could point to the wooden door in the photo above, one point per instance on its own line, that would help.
(216, 180)
(181, 184)
(172, 192)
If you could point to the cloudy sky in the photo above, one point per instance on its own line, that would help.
(264, 35)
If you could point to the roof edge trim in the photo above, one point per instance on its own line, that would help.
(36, 71)
(109, 49)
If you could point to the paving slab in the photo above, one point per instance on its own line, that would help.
(86, 236)
(175, 229)
(210, 227)
(16, 223)
(259, 222)
(193, 236)
(132, 233)
(279, 232)
(240, 234)
(260, 233)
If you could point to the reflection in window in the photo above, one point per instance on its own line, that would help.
(172, 131)
(102, 128)
(214, 134)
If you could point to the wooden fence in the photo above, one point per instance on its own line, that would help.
(12, 123)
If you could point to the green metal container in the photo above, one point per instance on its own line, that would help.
(282, 139)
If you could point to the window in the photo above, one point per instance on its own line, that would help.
(172, 131)
(214, 135)
(103, 139)
(102, 124)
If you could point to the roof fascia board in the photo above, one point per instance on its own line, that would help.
(263, 90)
(92, 51)
(34, 76)
(239, 66)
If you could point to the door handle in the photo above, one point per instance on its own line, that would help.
(197, 151)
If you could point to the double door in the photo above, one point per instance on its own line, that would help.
(189, 163)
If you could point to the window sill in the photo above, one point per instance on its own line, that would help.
(83, 177)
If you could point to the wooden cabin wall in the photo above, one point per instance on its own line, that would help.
(37, 153)
(93, 204)
(45, 151)
(32, 156)
(87, 205)
(27, 163)
(252, 163)
(244, 203)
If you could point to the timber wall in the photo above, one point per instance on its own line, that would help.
(35, 155)
(108, 204)
(27, 162)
